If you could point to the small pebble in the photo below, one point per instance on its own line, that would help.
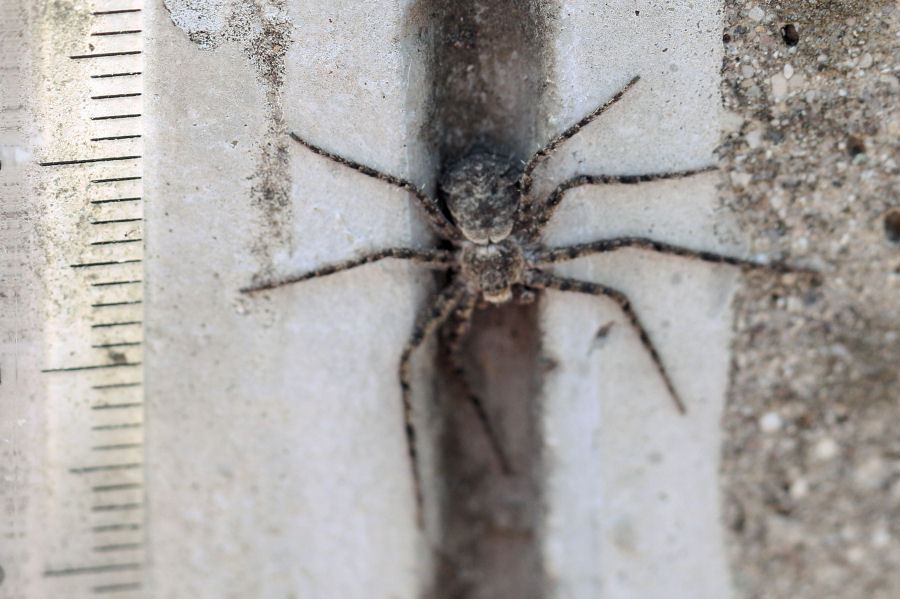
(866, 61)
(881, 538)
(741, 179)
(770, 422)
(788, 71)
(799, 489)
(891, 81)
(856, 555)
(779, 85)
(756, 13)
(797, 82)
(870, 475)
(753, 138)
(825, 449)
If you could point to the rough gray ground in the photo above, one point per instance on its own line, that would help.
(811, 463)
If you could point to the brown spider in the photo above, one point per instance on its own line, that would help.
(497, 256)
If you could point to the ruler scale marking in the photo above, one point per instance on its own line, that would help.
(108, 66)
(116, 487)
(117, 406)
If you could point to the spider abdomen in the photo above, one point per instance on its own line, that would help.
(493, 268)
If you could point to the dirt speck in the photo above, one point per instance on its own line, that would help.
(892, 225)
(790, 35)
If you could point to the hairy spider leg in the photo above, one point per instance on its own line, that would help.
(432, 209)
(547, 281)
(427, 321)
(461, 321)
(525, 181)
(437, 259)
(571, 252)
(534, 219)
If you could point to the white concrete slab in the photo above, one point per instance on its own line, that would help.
(632, 497)
(279, 461)
(274, 421)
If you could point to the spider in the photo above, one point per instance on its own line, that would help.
(496, 256)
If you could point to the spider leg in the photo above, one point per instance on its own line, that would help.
(462, 319)
(534, 218)
(438, 259)
(431, 207)
(544, 280)
(570, 252)
(426, 322)
(525, 180)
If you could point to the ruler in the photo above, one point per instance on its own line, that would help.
(70, 375)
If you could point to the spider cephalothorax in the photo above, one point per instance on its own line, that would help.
(481, 191)
(497, 256)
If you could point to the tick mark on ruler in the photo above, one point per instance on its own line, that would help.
(111, 527)
(111, 96)
(92, 367)
(118, 487)
(117, 406)
(123, 32)
(114, 138)
(105, 468)
(89, 160)
(106, 325)
(115, 588)
(110, 427)
(105, 54)
(105, 75)
(109, 304)
(120, 11)
(115, 241)
(116, 507)
(115, 180)
(116, 385)
(110, 263)
(93, 569)
(117, 446)
(116, 220)
(115, 116)
(111, 201)
(108, 283)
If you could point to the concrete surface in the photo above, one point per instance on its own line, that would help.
(291, 476)
(285, 406)
(810, 464)
(632, 493)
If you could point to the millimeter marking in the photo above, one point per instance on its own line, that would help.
(101, 374)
